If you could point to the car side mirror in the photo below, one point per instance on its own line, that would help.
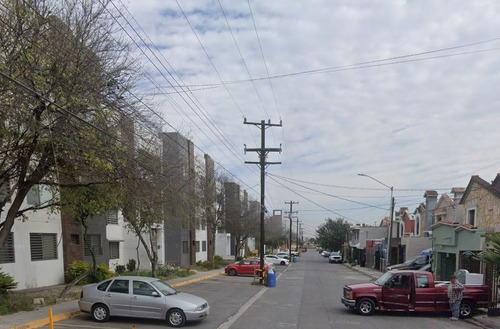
(155, 294)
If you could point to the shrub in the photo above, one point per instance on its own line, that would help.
(217, 258)
(75, 269)
(7, 283)
(103, 272)
(239, 258)
(131, 265)
(120, 269)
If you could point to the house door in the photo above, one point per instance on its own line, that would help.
(447, 263)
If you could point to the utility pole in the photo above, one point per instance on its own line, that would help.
(297, 236)
(290, 213)
(390, 231)
(262, 152)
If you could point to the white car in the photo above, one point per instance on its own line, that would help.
(276, 260)
(283, 254)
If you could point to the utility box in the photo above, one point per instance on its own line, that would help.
(470, 279)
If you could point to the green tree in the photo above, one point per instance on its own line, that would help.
(491, 255)
(64, 81)
(332, 234)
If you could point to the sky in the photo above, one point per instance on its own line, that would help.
(403, 91)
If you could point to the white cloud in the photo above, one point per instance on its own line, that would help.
(416, 125)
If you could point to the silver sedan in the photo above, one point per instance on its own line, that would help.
(143, 297)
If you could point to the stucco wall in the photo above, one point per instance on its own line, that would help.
(35, 274)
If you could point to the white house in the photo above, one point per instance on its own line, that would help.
(33, 254)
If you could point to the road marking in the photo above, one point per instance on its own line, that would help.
(242, 310)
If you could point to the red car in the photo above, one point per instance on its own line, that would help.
(245, 267)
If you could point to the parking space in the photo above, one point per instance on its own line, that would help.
(225, 294)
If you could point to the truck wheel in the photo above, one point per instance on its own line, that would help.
(466, 309)
(365, 306)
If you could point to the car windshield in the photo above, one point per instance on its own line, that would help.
(335, 253)
(383, 279)
(164, 288)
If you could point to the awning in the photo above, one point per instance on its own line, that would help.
(426, 252)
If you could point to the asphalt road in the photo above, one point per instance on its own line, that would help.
(307, 296)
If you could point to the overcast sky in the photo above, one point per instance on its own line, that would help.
(396, 96)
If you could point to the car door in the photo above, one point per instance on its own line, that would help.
(117, 297)
(146, 301)
(244, 267)
(396, 293)
(272, 259)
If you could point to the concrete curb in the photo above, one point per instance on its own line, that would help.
(360, 271)
(71, 314)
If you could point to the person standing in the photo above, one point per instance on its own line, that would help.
(455, 293)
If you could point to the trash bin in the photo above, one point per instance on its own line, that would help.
(271, 279)
(294, 259)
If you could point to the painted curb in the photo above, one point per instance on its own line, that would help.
(71, 314)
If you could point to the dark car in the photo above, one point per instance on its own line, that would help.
(413, 263)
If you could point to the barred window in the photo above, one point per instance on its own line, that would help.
(7, 251)
(43, 246)
(114, 249)
(197, 246)
(112, 217)
(94, 242)
(74, 239)
(203, 245)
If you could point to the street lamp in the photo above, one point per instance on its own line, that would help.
(390, 222)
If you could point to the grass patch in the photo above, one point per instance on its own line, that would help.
(165, 273)
(209, 265)
(13, 303)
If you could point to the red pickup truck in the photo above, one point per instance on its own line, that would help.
(410, 291)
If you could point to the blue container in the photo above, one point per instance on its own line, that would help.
(294, 259)
(271, 279)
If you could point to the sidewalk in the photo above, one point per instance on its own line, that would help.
(69, 309)
(480, 318)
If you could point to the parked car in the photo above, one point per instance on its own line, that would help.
(410, 291)
(335, 257)
(426, 268)
(142, 297)
(325, 253)
(276, 260)
(319, 250)
(246, 267)
(413, 263)
(283, 254)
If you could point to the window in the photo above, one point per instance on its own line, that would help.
(119, 286)
(103, 286)
(204, 246)
(4, 192)
(94, 242)
(185, 247)
(422, 281)
(43, 246)
(114, 249)
(112, 217)
(7, 251)
(400, 281)
(471, 216)
(143, 288)
(74, 239)
(203, 225)
(417, 225)
(33, 197)
(197, 246)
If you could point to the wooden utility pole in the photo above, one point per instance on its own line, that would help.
(262, 152)
(291, 203)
